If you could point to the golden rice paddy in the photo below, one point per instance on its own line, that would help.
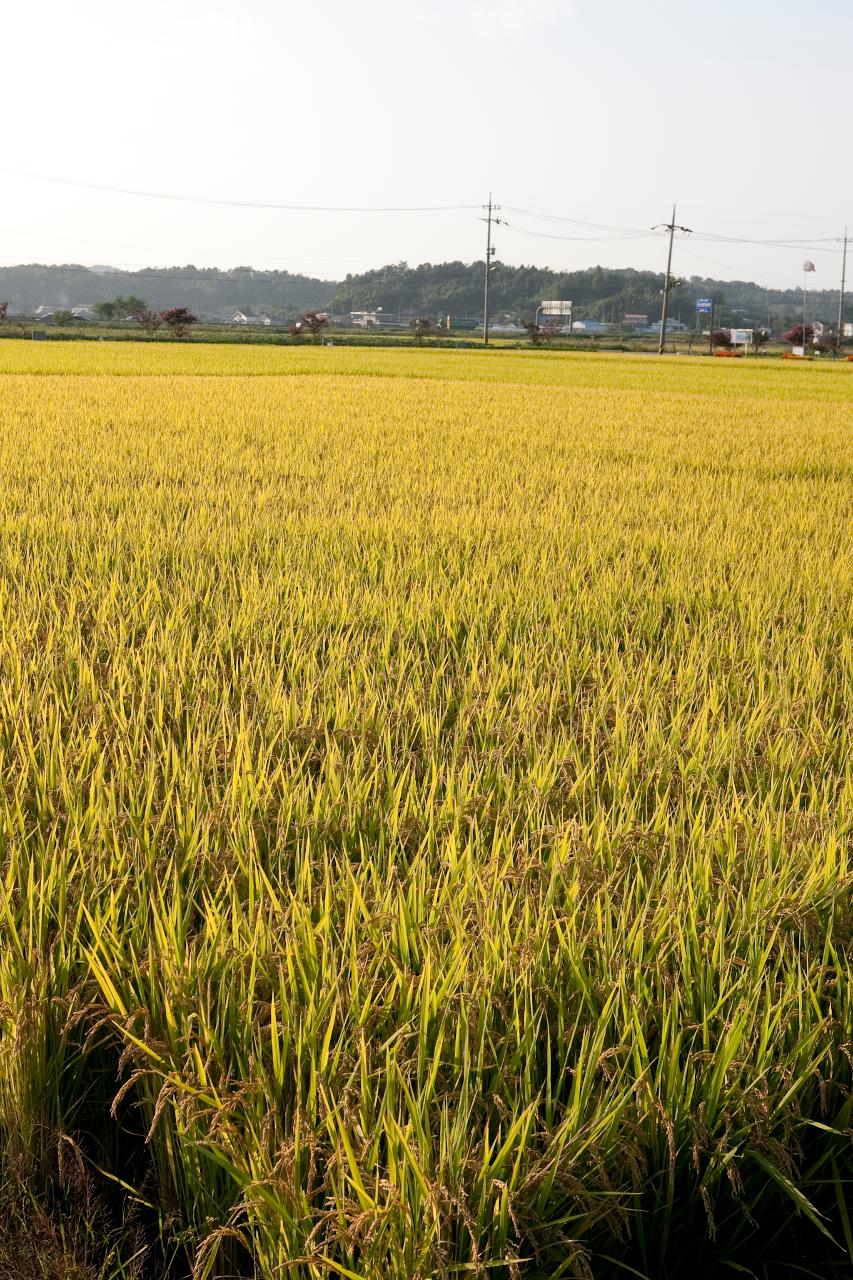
(425, 809)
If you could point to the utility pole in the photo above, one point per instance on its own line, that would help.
(839, 332)
(490, 253)
(671, 227)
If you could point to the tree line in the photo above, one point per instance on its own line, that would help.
(598, 293)
(206, 291)
(430, 291)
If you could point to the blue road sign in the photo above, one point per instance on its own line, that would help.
(704, 306)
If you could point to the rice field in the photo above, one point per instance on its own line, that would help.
(425, 813)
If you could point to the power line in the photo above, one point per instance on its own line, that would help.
(818, 243)
(612, 233)
(783, 242)
(234, 204)
(576, 222)
(616, 238)
(780, 242)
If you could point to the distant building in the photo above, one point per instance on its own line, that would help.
(672, 326)
(376, 319)
(465, 322)
(245, 317)
(47, 313)
(591, 326)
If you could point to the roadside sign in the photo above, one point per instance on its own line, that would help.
(848, 331)
(741, 337)
(704, 306)
(556, 307)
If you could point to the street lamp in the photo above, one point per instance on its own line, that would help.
(807, 267)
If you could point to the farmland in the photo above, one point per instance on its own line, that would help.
(425, 812)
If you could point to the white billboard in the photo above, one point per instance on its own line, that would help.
(741, 337)
(556, 307)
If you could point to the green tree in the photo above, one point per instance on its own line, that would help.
(129, 306)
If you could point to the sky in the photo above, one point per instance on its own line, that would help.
(600, 116)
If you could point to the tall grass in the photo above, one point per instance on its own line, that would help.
(426, 808)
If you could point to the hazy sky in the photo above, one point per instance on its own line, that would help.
(602, 113)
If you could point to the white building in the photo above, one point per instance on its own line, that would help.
(244, 317)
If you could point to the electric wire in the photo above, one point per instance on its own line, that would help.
(550, 235)
(234, 204)
(792, 242)
(612, 233)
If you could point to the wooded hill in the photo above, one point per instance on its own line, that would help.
(598, 293)
(205, 291)
(429, 290)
